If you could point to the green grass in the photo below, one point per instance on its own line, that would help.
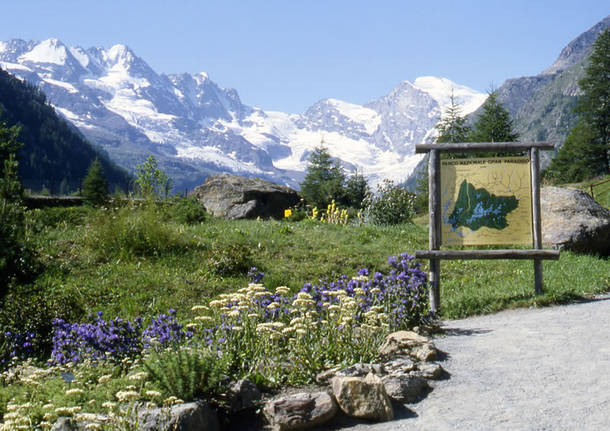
(183, 269)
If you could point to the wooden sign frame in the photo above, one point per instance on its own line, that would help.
(435, 255)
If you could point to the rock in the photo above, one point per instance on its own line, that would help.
(234, 197)
(401, 365)
(64, 424)
(244, 395)
(572, 220)
(429, 370)
(180, 417)
(300, 411)
(364, 398)
(405, 388)
(425, 352)
(400, 343)
(356, 370)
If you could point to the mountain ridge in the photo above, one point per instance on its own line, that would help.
(195, 128)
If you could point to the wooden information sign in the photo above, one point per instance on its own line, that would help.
(482, 201)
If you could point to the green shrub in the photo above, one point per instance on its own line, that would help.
(135, 231)
(187, 211)
(391, 205)
(231, 259)
(187, 373)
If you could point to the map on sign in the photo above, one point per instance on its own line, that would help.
(486, 201)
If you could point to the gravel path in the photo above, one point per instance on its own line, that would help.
(536, 369)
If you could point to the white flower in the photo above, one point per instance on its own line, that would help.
(127, 395)
(200, 308)
(74, 391)
(153, 394)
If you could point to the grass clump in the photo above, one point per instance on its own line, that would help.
(134, 230)
(187, 373)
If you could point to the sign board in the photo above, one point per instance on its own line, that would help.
(486, 201)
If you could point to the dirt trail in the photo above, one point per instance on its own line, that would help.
(535, 369)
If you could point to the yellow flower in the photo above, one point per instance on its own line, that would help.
(287, 213)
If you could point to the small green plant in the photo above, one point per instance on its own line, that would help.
(151, 181)
(134, 231)
(391, 205)
(231, 259)
(187, 373)
(187, 211)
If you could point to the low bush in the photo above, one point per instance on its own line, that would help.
(134, 230)
(187, 211)
(187, 373)
(391, 205)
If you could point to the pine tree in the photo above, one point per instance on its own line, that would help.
(16, 258)
(356, 189)
(594, 104)
(577, 159)
(95, 186)
(494, 124)
(584, 154)
(452, 127)
(324, 179)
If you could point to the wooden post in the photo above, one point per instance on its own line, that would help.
(434, 235)
(536, 217)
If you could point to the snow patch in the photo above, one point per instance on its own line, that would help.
(440, 89)
(359, 114)
(47, 51)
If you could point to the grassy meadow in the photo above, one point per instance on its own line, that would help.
(142, 261)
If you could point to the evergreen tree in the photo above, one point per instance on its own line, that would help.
(453, 127)
(324, 179)
(356, 189)
(584, 153)
(594, 104)
(16, 258)
(578, 159)
(95, 186)
(494, 124)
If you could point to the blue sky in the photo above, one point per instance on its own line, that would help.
(286, 55)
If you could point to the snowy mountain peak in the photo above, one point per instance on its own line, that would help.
(48, 51)
(195, 127)
(441, 89)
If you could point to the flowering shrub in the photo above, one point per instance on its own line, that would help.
(292, 337)
(114, 339)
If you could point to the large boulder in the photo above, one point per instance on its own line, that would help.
(300, 411)
(363, 397)
(234, 197)
(572, 220)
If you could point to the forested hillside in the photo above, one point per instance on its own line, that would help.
(54, 155)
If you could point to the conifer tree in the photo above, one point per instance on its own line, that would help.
(584, 154)
(452, 127)
(494, 124)
(16, 259)
(95, 186)
(324, 179)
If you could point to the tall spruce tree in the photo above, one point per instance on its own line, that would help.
(324, 179)
(95, 186)
(17, 263)
(494, 124)
(452, 127)
(584, 154)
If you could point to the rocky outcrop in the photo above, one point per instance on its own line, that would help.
(572, 220)
(234, 197)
